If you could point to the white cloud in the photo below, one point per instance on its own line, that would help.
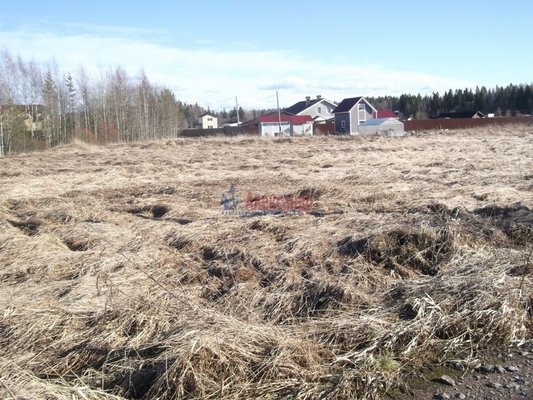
(204, 41)
(211, 76)
(125, 31)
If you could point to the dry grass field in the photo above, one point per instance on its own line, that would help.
(121, 278)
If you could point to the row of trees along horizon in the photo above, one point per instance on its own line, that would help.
(41, 107)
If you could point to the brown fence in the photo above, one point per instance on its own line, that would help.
(249, 130)
(462, 123)
(323, 129)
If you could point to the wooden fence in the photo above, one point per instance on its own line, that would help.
(323, 129)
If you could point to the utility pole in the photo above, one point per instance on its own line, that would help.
(279, 114)
(237, 109)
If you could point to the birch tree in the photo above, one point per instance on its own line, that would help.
(118, 82)
(83, 90)
(144, 95)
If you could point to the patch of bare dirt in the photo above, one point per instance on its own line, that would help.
(501, 374)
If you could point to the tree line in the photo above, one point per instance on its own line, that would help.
(508, 101)
(40, 107)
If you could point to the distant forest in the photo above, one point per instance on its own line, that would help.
(506, 101)
(41, 107)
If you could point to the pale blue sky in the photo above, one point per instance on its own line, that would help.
(211, 51)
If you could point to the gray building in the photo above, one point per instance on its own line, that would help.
(351, 113)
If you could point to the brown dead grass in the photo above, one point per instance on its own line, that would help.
(121, 278)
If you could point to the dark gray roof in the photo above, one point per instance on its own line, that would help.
(300, 106)
(207, 113)
(346, 105)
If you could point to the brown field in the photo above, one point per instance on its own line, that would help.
(121, 278)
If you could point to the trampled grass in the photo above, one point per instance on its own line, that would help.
(120, 277)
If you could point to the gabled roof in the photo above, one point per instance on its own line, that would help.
(347, 104)
(300, 106)
(305, 104)
(462, 114)
(293, 119)
(207, 113)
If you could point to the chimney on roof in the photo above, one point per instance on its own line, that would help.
(318, 96)
(307, 100)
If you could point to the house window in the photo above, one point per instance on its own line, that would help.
(319, 110)
(361, 113)
(343, 124)
(209, 119)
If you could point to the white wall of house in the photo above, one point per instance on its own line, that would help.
(273, 128)
(304, 129)
(208, 121)
(322, 108)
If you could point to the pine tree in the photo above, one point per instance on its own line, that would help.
(71, 105)
(50, 110)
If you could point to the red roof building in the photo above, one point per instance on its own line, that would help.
(386, 114)
(292, 119)
(275, 124)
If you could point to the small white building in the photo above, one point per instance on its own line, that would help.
(382, 126)
(286, 125)
(207, 121)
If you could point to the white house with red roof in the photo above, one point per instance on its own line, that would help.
(283, 124)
